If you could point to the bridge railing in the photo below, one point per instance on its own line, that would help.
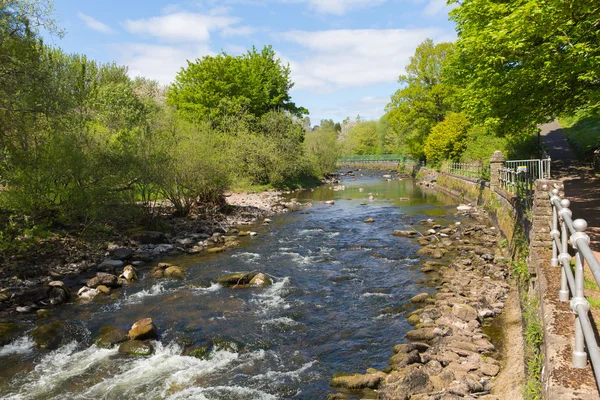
(376, 158)
(568, 234)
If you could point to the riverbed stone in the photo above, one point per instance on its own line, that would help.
(419, 298)
(136, 348)
(401, 233)
(235, 279)
(110, 336)
(103, 289)
(143, 329)
(423, 334)
(129, 273)
(174, 272)
(465, 312)
(401, 385)
(102, 278)
(260, 280)
(9, 331)
(489, 369)
(414, 320)
(86, 293)
(369, 220)
(48, 336)
(214, 250)
(357, 381)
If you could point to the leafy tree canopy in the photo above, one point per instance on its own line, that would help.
(214, 87)
(448, 139)
(522, 62)
(425, 98)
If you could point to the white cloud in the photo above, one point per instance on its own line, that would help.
(158, 62)
(182, 27)
(94, 24)
(349, 58)
(339, 7)
(435, 7)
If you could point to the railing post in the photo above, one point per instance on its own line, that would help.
(496, 162)
(564, 256)
(579, 354)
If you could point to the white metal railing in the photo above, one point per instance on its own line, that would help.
(579, 242)
(518, 182)
(537, 169)
(475, 171)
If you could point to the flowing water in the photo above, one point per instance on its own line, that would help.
(339, 301)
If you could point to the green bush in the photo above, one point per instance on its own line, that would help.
(448, 139)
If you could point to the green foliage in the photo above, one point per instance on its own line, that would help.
(215, 87)
(534, 339)
(323, 150)
(425, 98)
(523, 62)
(362, 139)
(448, 139)
(481, 144)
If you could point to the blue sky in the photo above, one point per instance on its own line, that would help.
(345, 55)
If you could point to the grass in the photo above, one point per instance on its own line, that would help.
(534, 338)
(594, 303)
(590, 284)
(583, 134)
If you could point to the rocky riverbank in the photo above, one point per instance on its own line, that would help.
(448, 355)
(45, 279)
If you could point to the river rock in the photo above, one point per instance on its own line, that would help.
(86, 293)
(174, 273)
(9, 331)
(400, 385)
(330, 202)
(236, 279)
(103, 289)
(110, 336)
(414, 320)
(110, 266)
(489, 369)
(122, 254)
(464, 312)
(214, 250)
(129, 274)
(404, 233)
(421, 335)
(260, 280)
(357, 381)
(149, 237)
(102, 278)
(58, 293)
(48, 336)
(421, 297)
(244, 233)
(369, 220)
(136, 348)
(143, 329)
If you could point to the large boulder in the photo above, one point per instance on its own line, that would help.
(122, 254)
(110, 336)
(136, 348)
(143, 329)
(403, 385)
(421, 335)
(102, 278)
(48, 336)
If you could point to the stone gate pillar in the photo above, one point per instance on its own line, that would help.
(496, 162)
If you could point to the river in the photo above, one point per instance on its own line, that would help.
(339, 302)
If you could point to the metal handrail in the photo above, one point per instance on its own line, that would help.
(579, 241)
(475, 171)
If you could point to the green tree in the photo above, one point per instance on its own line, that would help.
(426, 97)
(213, 87)
(523, 62)
(323, 149)
(448, 139)
(362, 139)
